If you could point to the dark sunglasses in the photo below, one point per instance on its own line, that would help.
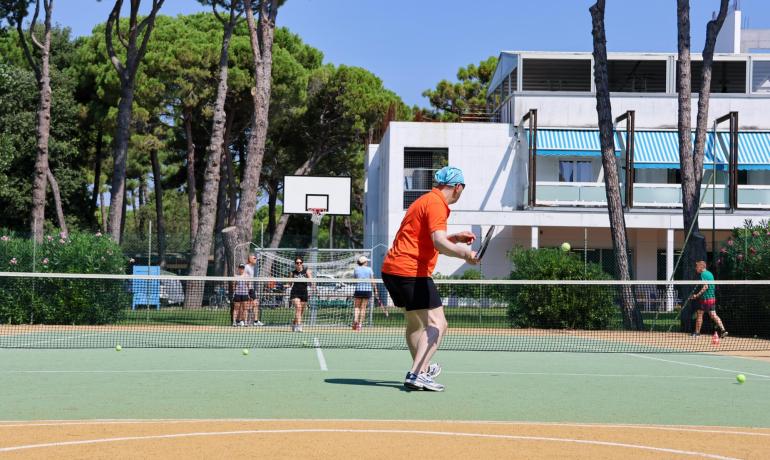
(297, 262)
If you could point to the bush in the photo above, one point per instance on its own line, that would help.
(40, 300)
(745, 255)
(468, 291)
(558, 306)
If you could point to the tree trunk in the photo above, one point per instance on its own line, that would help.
(262, 50)
(142, 199)
(272, 199)
(161, 222)
(136, 45)
(691, 160)
(57, 202)
(119, 158)
(43, 128)
(97, 168)
(230, 239)
(220, 258)
(192, 190)
(102, 211)
(202, 244)
(609, 164)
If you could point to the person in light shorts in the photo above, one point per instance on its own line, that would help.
(363, 292)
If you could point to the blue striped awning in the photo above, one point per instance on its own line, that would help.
(578, 142)
(753, 149)
(660, 149)
(657, 149)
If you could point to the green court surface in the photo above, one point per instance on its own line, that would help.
(316, 383)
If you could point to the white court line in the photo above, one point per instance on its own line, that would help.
(320, 354)
(685, 428)
(404, 432)
(699, 365)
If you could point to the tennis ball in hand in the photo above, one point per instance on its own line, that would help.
(118, 348)
(565, 247)
(245, 351)
(740, 378)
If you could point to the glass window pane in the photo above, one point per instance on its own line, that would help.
(760, 77)
(566, 171)
(583, 171)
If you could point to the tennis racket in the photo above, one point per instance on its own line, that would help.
(485, 243)
(379, 304)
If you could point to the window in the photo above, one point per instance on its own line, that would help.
(726, 76)
(637, 76)
(575, 171)
(760, 77)
(556, 75)
(419, 166)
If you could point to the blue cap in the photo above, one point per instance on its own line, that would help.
(449, 175)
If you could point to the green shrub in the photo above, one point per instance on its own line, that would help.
(745, 255)
(469, 291)
(41, 300)
(553, 305)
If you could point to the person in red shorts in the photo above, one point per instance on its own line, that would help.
(707, 300)
(409, 264)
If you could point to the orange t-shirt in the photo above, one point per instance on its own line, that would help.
(413, 253)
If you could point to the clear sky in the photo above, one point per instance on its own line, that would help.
(413, 44)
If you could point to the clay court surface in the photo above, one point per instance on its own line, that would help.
(340, 403)
(372, 439)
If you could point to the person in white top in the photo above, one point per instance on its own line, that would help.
(241, 298)
(363, 292)
(253, 307)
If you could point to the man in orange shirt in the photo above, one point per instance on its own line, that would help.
(409, 264)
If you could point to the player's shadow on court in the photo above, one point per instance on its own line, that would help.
(368, 382)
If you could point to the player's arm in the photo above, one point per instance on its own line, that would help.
(462, 237)
(309, 274)
(445, 246)
(702, 290)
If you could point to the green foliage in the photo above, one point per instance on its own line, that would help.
(18, 111)
(60, 300)
(745, 255)
(554, 305)
(450, 100)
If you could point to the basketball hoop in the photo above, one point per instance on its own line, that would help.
(316, 214)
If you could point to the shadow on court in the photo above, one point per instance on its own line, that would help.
(368, 382)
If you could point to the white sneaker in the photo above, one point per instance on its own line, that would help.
(259, 323)
(422, 381)
(235, 324)
(434, 370)
(298, 328)
(242, 324)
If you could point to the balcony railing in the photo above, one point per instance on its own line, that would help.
(648, 195)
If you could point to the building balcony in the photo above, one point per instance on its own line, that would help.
(592, 194)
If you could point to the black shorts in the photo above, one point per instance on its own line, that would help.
(302, 296)
(411, 292)
(241, 298)
(362, 294)
(252, 294)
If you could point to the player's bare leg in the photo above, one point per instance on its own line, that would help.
(717, 320)
(698, 321)
(430, 336)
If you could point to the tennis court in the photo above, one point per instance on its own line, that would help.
(182, 386)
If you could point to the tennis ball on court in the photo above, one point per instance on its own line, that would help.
(740, 378)
(245, 351)
(118, 348)
(565, 247)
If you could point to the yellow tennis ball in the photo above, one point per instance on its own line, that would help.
(245, 351)
(565, 247)
(740, 378)
(118, 348)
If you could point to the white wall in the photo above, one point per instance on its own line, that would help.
(656, 111)
(729, 38)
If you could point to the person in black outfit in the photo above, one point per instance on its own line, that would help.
(299, 294)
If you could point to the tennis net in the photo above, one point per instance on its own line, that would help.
(98, 311)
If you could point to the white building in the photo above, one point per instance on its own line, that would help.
(566, 199)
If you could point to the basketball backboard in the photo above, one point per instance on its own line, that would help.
(303, 193)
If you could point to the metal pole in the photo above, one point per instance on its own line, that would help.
(262, 235)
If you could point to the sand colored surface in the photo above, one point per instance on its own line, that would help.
(372, 439)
